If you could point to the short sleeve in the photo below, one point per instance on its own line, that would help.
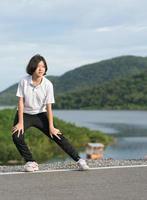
(50, 94)
(20, 89)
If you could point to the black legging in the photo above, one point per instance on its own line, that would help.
(40, 121)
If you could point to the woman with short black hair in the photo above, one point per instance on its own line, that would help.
(35, 98)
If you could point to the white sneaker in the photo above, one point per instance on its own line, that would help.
(31, 166)
(82, 164)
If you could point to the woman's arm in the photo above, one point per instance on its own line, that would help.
(50, 115)
(20, 110)
(53, 131)
(19, 126)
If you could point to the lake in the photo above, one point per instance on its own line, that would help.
(129, 127)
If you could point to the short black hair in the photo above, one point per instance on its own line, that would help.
(33, 63)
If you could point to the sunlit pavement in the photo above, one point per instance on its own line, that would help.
(96, 184)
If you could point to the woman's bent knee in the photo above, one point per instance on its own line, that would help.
(16, 138)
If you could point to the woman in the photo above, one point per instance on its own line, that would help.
(35, 97)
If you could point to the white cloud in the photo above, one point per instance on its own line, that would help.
(128, 28)
(103, 29)
(69, 33)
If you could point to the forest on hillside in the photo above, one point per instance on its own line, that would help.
(117, 83)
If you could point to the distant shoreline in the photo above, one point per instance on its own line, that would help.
(5, 107)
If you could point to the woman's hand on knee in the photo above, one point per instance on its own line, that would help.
(55, 132)
(18, 128)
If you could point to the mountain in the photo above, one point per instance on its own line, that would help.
(100, 72)
(87, 76)
(125, 93)
(7, 97)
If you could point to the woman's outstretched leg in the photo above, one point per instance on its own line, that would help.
(43, 125)
(19, 140)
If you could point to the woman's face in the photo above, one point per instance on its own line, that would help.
(40, 70)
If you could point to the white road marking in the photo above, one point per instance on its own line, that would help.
(67, 170)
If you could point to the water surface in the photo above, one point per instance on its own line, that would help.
(129, 128)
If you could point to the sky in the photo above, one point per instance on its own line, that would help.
(68, 33)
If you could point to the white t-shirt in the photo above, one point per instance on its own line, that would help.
(35, 97)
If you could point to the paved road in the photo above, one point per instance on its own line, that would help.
(100, 184)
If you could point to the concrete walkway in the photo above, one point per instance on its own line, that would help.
(97, 184)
